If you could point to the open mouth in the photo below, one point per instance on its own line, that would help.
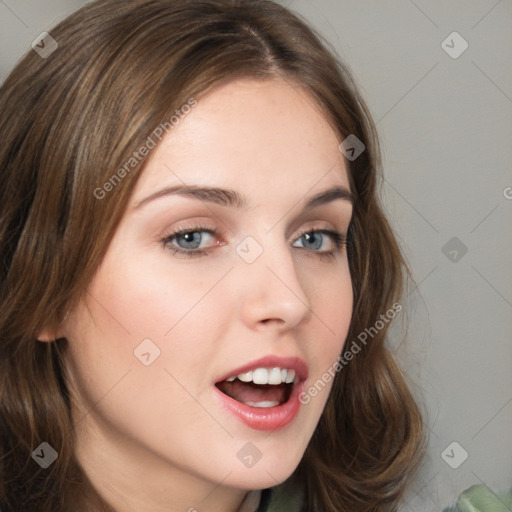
(262, 387)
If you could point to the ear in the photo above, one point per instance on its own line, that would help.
(49, 334)
(46, 336)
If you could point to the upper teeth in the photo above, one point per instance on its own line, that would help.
(266, 376)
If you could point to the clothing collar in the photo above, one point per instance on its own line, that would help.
(251, 502)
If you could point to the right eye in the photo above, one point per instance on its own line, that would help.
(187, 241)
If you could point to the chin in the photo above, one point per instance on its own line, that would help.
(265, 473)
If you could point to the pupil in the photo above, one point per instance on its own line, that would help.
(192, 240)
(311, 237)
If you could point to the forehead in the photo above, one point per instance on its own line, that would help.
(252, 135)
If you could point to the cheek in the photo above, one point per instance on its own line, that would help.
(177, 319)
(133, 309)
(331, 298)
(150, 298)
(332, 302)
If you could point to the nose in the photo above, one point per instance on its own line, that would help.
(271, 291)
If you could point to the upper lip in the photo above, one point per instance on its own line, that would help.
(271, 361)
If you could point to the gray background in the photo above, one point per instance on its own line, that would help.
(446, 129)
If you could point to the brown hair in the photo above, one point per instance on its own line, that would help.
(67, 123)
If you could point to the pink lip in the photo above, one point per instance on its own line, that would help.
(271, 418)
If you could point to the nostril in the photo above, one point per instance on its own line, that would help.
(269, 320)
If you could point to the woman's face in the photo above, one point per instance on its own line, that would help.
(255, 285)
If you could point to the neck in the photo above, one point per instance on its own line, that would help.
(131, 479)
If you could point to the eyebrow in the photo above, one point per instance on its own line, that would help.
(233, 199)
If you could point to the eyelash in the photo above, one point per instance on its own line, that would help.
(338, 239)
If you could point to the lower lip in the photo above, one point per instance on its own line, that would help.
(264, 418)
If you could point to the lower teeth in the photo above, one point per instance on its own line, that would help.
(262, 404)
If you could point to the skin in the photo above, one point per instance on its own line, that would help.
(153, 438)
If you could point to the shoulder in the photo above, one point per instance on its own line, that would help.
(286, 497)
(479, 498)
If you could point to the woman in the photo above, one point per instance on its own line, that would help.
(197, 276)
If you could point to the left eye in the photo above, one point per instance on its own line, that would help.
(315, 240)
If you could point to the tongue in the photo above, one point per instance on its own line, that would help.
(254, 393)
